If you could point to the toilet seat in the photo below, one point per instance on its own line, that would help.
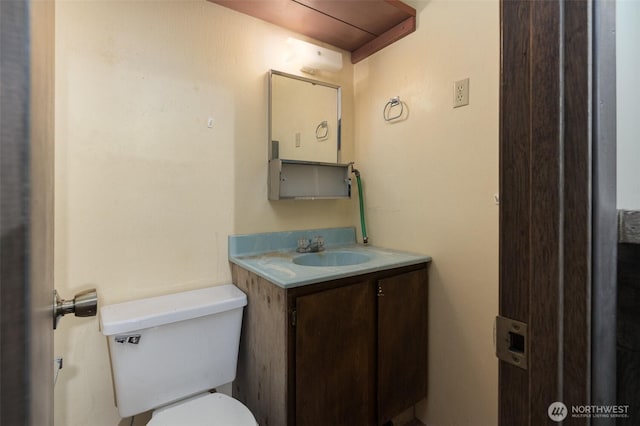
(213, 409)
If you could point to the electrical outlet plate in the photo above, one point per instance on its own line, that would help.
(461, 93)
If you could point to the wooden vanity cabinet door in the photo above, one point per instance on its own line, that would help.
(402, 342)
(335, 357)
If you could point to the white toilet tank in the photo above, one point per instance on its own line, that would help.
(167, 348)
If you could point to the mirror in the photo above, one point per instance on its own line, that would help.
(304, 119)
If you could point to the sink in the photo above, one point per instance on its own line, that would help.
(332, 258)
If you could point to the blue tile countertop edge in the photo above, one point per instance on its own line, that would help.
(270, 255)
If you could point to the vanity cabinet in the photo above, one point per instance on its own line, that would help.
(402, 342)
(351, 351)
(335, 356)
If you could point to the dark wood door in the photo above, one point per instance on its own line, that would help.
(335, 361)
(555, 232)
(402, 342)
(26, 253)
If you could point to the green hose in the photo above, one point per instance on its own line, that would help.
(365, 239)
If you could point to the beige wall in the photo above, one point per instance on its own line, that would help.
(146, 194)
(429, 187)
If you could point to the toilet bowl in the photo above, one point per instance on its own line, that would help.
(168, 352)
(211, 409)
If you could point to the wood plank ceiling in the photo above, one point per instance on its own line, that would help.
(361, 27)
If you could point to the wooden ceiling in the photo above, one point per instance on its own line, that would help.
(361, 27)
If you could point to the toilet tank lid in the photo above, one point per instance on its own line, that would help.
(155, 311)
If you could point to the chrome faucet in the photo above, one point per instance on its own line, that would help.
(310, 245)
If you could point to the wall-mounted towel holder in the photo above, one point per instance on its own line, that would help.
(393, 109)
(322, 131)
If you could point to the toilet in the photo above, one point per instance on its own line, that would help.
(168, 353)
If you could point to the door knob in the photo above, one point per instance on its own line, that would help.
(84, 304)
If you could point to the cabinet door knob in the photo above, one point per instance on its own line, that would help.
(380, 292)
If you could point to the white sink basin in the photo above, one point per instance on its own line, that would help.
(332, 258)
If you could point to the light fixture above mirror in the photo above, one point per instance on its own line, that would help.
(314, 58)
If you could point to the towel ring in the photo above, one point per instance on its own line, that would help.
(389, 106)
(322, 131)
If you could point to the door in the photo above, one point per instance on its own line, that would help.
(335, 357)
(26, 190)
(402, 342)
(557, 221)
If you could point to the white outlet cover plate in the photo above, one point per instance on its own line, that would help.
(461, 93)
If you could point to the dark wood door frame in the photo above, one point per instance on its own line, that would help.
(557, 212)
(14, 222)
(605, 230)
(26, 225)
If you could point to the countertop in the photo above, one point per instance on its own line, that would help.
(271, 256)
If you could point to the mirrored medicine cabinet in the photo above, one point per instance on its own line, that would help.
(305, 118)
(305, 139)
